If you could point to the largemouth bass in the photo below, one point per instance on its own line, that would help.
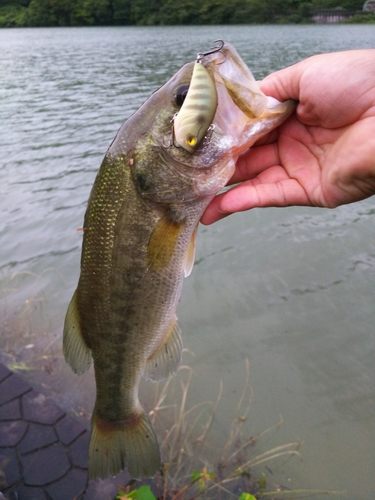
(164, 166)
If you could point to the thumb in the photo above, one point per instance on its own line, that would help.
(283, 84)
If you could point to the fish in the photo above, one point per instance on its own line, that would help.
(165, 165)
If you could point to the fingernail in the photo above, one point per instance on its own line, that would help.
(222, 211)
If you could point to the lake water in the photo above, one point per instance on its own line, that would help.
(291, 290)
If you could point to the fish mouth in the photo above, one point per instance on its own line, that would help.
(244, 112)
(243, 115)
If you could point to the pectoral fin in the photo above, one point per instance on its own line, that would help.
(76, 352)
(167, 357)
(190, 254)
(162, 244)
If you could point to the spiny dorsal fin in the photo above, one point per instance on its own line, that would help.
(76, 352)
(190, 254)
(162, 244)
(167, 357)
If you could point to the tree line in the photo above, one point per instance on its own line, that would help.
(15, 13)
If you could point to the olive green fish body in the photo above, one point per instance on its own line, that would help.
(139, 243)
(132, 267)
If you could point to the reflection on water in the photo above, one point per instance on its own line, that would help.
(291, 290)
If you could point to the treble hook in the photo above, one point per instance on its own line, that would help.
(212, 50)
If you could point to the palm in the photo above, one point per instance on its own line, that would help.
(310, 166)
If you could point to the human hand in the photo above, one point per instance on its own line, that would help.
(324, 154)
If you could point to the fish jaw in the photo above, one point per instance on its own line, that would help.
(244, 113)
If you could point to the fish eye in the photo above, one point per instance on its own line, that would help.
(180, 94)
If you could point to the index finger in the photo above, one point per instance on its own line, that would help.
(254, 161)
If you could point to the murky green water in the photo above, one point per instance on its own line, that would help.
(292, 289)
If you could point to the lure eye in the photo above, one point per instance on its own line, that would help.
(192, 141)
(180, 95)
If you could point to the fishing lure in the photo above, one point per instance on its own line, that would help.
(192, 122)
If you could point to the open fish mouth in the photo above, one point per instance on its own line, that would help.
(223, 113)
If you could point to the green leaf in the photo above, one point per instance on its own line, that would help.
(246, 496)
(196, 475)
(145, 493)
(126, 496)
(142, 493)
(262, 482)
(20, 367)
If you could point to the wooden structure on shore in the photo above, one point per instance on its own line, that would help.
(332, 16)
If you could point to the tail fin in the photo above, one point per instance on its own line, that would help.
(130, 443)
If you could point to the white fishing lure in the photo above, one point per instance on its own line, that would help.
(198, 109)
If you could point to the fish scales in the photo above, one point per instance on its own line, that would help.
(130, 293)
(139, 243)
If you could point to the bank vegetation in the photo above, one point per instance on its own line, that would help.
(17, 13)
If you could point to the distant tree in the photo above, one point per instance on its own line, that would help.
(121, 12)
(92, 12)
(332, 4)
(264, 11)
(180, 13)
(145, 12)
(24, 3)
(49, 13)
(305, 9)
(12, 15)
(223, 12)
(159, 12)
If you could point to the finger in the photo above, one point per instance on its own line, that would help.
(213, 212)
(269, 138)
(255, 161)
(283, 84)
(280, 191)
(253, 194)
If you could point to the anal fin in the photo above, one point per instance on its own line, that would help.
(167, 357)
(76, 352)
